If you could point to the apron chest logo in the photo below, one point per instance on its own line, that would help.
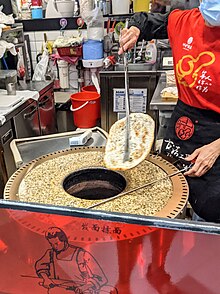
(184, 128)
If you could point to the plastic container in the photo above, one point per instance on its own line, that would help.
(90, 88)
(63, 73)
(36, 12)
(65, 7)
(86, 109)
(107, 7)
(140, 5)
(26, 14)
(120, 6)
(93, 50)
(11, 88)
(151, 52)
(36, 3)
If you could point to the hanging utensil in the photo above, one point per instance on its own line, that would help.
(127, 105)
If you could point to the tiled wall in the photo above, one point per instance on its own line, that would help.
(36, 41)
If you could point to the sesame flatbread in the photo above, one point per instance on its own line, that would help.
(141, 139)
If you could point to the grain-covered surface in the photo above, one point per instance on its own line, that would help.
(44, 184)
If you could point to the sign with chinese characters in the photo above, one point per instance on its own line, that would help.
(138, 100)
(44, 252)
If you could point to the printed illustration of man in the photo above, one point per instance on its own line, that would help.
(70, 268)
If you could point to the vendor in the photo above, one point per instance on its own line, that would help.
(194, 130)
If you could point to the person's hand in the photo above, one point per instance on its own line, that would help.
(128, 39)
(204, 158)
(47, 283)
(87, 289)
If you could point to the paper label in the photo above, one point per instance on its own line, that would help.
(138, 100)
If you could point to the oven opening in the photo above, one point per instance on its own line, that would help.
(94, 183)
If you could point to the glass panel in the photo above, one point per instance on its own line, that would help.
(52, 253)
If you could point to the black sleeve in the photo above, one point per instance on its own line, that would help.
(151, 25)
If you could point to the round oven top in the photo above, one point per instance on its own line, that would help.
(48, 180)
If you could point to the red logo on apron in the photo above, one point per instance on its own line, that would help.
(184, 128)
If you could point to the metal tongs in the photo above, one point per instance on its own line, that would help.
(127, 104)
(184, 169)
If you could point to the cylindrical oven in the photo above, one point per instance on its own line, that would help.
(77, 177)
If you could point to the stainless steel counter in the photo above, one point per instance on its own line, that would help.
(27, 149)
(41, 86)
(161, 110)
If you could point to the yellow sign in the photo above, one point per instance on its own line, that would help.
(140, 5)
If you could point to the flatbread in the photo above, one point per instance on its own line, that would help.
(169, 93)
(141, 140)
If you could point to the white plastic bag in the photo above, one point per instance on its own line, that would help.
(6, 19)
(41, 67)
(85, 7)
(20, 66)
(95, 24)
(4, 46)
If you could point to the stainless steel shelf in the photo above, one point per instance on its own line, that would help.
(156, 102)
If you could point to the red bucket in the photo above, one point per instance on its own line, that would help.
(90, 88)
(86, 109)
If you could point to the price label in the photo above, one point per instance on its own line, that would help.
(168, 61)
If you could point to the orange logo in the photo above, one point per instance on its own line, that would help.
(187, 69)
